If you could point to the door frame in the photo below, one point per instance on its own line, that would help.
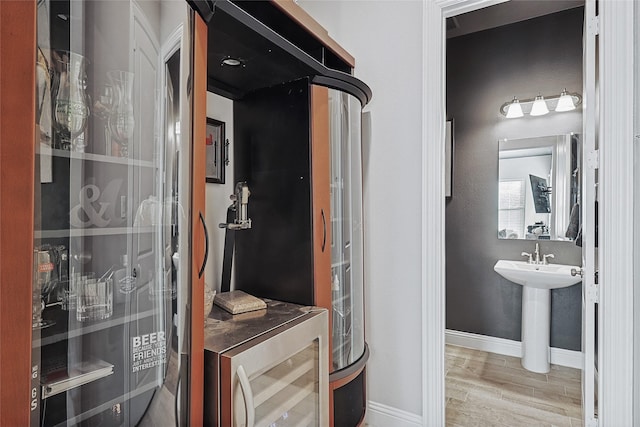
(615, 256)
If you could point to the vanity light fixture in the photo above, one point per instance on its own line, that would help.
(541, 105)
(513, 109)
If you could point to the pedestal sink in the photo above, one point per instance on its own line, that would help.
(537, 281)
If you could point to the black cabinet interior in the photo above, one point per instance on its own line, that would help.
(271, 50)
(273, 17)
(270, 89)
(272, 154)
(262, 62)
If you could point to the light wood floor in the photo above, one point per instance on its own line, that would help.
(486, 389)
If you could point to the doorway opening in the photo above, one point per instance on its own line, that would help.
(521, 50)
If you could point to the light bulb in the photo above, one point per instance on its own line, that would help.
(565, 103)
(539, 107)
(514, 109)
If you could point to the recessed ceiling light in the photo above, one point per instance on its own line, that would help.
(232, 62)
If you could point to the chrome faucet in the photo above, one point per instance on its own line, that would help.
(534, 258)
(530, 261)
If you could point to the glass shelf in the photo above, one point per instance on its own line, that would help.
(284, 405)
(339, 263)
(277, 379)
(67, 378)
(74, 328)
(84, 232)
(74, 155)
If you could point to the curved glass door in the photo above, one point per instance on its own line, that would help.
(109, 327)
(347, 284)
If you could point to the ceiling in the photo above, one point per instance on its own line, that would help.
(504, 14)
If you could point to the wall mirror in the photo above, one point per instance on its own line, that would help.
(539, 187)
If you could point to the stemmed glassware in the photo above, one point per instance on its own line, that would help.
(70, 100)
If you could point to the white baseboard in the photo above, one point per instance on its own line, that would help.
(559, 356)
(379, 415)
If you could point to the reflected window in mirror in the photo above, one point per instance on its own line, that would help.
(538, 187)
(511, 211)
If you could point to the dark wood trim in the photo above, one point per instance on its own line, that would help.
(321, 201)
(312, 26)
(226, 399)
(196, 394)
(17, 154)
(346, 375)
(346, 380)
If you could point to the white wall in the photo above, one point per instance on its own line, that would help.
(385, 37)
(217, 195)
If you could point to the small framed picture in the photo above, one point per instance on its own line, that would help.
(215, 150)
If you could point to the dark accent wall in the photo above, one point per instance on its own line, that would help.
(484, 70)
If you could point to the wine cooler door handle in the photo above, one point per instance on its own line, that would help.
(247, 394)
(206, 246)
(324, 230)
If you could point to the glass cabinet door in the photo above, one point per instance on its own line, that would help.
(108, 323)
(287, 393)
(347, 285)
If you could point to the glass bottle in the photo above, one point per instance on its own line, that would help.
(121, 121)
(42, 278)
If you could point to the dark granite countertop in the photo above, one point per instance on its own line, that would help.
(224, 331)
